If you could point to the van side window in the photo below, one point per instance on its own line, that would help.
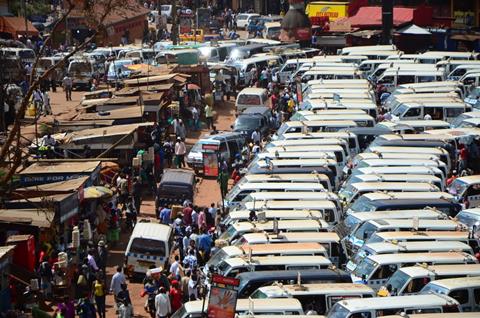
(361, 315)
(301, 268)
(460, 295)
(404, 79)
(476, 295)
(413, 112)
(384, 271)
(424, 311)
(473, 190)
(454, 112)
(415, 285)
(387, 312)
(233, 147)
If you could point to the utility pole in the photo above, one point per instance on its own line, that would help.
(387, 21)
(24, 3)
(174, 31)
(3, 92)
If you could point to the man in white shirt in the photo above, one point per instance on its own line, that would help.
(162, 304)
(180, 151)
(175, 267)
(256, 137)
(117, 281)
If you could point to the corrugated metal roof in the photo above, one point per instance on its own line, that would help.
(61, 167)
(39, 218)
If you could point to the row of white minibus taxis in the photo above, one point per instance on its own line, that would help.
(312, 227)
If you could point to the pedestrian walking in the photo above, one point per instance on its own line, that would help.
(67, 86)
(100, 292)
(180, 151)
(168, 152)
(118, 279)
(162, 304)
(181, 131)
(195, 118)
(137, 193)
(209, 116)
(102, 256)
(47, 109)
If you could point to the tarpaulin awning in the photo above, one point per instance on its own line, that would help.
(16, 26)
(97, 192)
(413, 29)
(372, 16)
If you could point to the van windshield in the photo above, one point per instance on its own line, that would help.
(469, 219)
(347, 193)
(245, 99)
(258, 294)
(80, 67)
(399, 110)
(338, 311)
(26, 54)
(217, 258)
(365, 268)
(398, 280)
(365, 231)
(458, 187)
(224, 268)
(228, 234)
(362, 204)
(148, 247)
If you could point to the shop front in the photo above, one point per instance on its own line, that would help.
(6, 253)
(42, 172)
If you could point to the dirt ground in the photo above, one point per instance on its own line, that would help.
(208, 190)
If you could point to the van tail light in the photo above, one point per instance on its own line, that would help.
(450, 308)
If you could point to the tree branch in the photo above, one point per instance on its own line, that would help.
(108, 6)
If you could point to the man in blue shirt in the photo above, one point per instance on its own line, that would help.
(165, 215)
(205, 242)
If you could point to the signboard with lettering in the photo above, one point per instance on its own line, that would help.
(332, 10)
(222, 302)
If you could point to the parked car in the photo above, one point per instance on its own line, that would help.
(243, 19)
(254, 118)
(176, 186)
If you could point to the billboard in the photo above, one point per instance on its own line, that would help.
(332, 10)
(222, 303)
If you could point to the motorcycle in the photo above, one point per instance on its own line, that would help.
(151, 304)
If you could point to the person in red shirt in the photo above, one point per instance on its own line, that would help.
(236, 175)
(452, 178)
(175, 296)
(187, 215)
(463, 158)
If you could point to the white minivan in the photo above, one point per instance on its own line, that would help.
(411, 279)
(252, 97)
(381, 306)
(465, 290)
(150, 244)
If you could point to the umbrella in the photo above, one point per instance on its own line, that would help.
(97, 192)
(192, 87)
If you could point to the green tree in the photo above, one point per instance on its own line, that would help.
(33, 7)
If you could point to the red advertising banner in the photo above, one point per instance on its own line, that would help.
(210, 164)
(218, 279)
(222, 303)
